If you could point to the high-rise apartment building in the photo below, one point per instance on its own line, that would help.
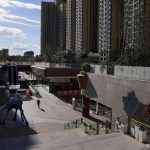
(86, 26)
(48, 28)
(90, 14)
(70, 24)
(109, 28)
(134, 13)
(79, 27)
(61, 24)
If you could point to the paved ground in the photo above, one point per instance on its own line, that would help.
(52, 116)
(46, 130)
(54, 110)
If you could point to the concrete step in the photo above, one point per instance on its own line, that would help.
(114, 141)
(16, 129)
(24, 142)
(59, 144)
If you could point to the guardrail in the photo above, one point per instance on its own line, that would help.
(73, 124)
(130, 126)
(33, 90)
(134, 128)
(88, 126)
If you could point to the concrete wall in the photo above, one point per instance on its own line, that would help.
(42, 64)
(99, 69)
(141, 73)
(109, 90)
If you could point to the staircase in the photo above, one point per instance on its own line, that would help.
(73, 139)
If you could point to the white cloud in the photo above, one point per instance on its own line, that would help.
(5, 3)
(3, 11)
(25, 5)
(19, 48)
(13, 3)
(7, 17)
(11, 32)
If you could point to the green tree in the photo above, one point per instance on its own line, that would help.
(140, 53)
(86, 67)
(47, 55)
(84, 55)
(1, 58)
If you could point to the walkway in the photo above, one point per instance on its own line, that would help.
(56, 111)
(45, 130)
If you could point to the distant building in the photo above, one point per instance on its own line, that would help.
(48, 29)
(86, 27)
(4, 53)
(61, 24)
(134, 13)
(29, 56)
(70, 25)
(109, 27)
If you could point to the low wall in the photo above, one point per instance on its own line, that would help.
(110, 90)
(44, 64)
(142, 73)
(99, 69)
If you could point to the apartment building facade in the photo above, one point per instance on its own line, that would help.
(48, 28)
(86, 27)
(4, 53)
(61, 24)
(70, 25)
(109, 28)
(97, 27)
(136, 14)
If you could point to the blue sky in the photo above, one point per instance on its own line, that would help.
(20, 26)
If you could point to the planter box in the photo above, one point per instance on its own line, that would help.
(125, 128)
(132, 132)
(84, 128)
(117, 122)
(137, 132)
(119, 126)
(142, 135)
(122, 127)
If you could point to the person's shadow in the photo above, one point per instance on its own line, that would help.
(42, 109)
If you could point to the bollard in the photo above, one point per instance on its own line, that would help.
(73, 103)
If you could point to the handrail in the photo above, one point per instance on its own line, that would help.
(141, 123)
(73, 124)
(90, 129)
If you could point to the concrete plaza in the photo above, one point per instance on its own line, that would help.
(46, 130)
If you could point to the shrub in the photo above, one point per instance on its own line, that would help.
(86, 67)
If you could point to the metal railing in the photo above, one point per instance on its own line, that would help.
(88, 126)
(90, 129)
(73, 124)
(126, 125)
(132, 127)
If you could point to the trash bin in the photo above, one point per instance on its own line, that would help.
(73, 103)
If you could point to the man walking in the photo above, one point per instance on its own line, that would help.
(38, 103)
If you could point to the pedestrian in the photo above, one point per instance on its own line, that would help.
(38, 103)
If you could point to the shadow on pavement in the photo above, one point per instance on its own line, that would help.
(14, 134)
(42, 109)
